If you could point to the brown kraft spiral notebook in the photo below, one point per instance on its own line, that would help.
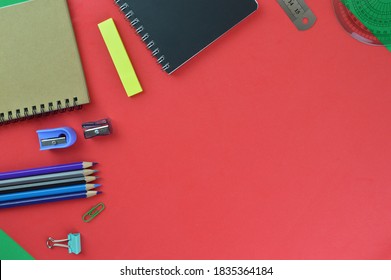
(40, 67)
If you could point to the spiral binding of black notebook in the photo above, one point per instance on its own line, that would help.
(177, 30)
(40, 71)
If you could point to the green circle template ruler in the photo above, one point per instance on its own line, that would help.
(368, 21)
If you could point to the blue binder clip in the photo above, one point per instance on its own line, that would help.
(74, 244)
(56, 138)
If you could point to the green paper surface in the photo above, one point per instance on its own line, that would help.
(375, 15)
(5, 3)
(10, 250)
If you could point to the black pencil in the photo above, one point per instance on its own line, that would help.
(47, 177)
(47, 184)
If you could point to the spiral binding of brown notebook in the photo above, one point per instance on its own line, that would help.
(40, 70)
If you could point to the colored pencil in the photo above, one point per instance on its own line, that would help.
(46, 170)
(45, 199)
(47, 177)
(47, 192)
(47, 184)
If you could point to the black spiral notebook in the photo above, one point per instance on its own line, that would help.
(176, 30)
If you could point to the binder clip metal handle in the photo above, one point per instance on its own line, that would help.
(97, 128)
(74, 244)
(56, 138)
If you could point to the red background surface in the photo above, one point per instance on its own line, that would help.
(270, 144)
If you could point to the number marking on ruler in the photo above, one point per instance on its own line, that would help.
(299, 13)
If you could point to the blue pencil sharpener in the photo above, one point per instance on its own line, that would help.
(56, 138)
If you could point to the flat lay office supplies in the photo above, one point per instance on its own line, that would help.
(46, 170)
(46, 199)
(47, 184)
(120, 58)
(97, 128)
(11, 250)
(366, 21)
(73, 243)
(41, 70)
(177, 30)
(56, 138)
(47, 192)
(231, 158)
(299, 13)
(47, 177)
(93, 212)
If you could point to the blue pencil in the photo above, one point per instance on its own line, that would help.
(45, 170)
(47, 192)
(45, 199)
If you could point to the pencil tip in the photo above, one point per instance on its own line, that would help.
(94, 163)
(97, 185)
(98, 192)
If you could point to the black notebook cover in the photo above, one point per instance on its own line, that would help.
(176, 30)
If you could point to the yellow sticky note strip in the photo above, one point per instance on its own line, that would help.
(120, 57)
